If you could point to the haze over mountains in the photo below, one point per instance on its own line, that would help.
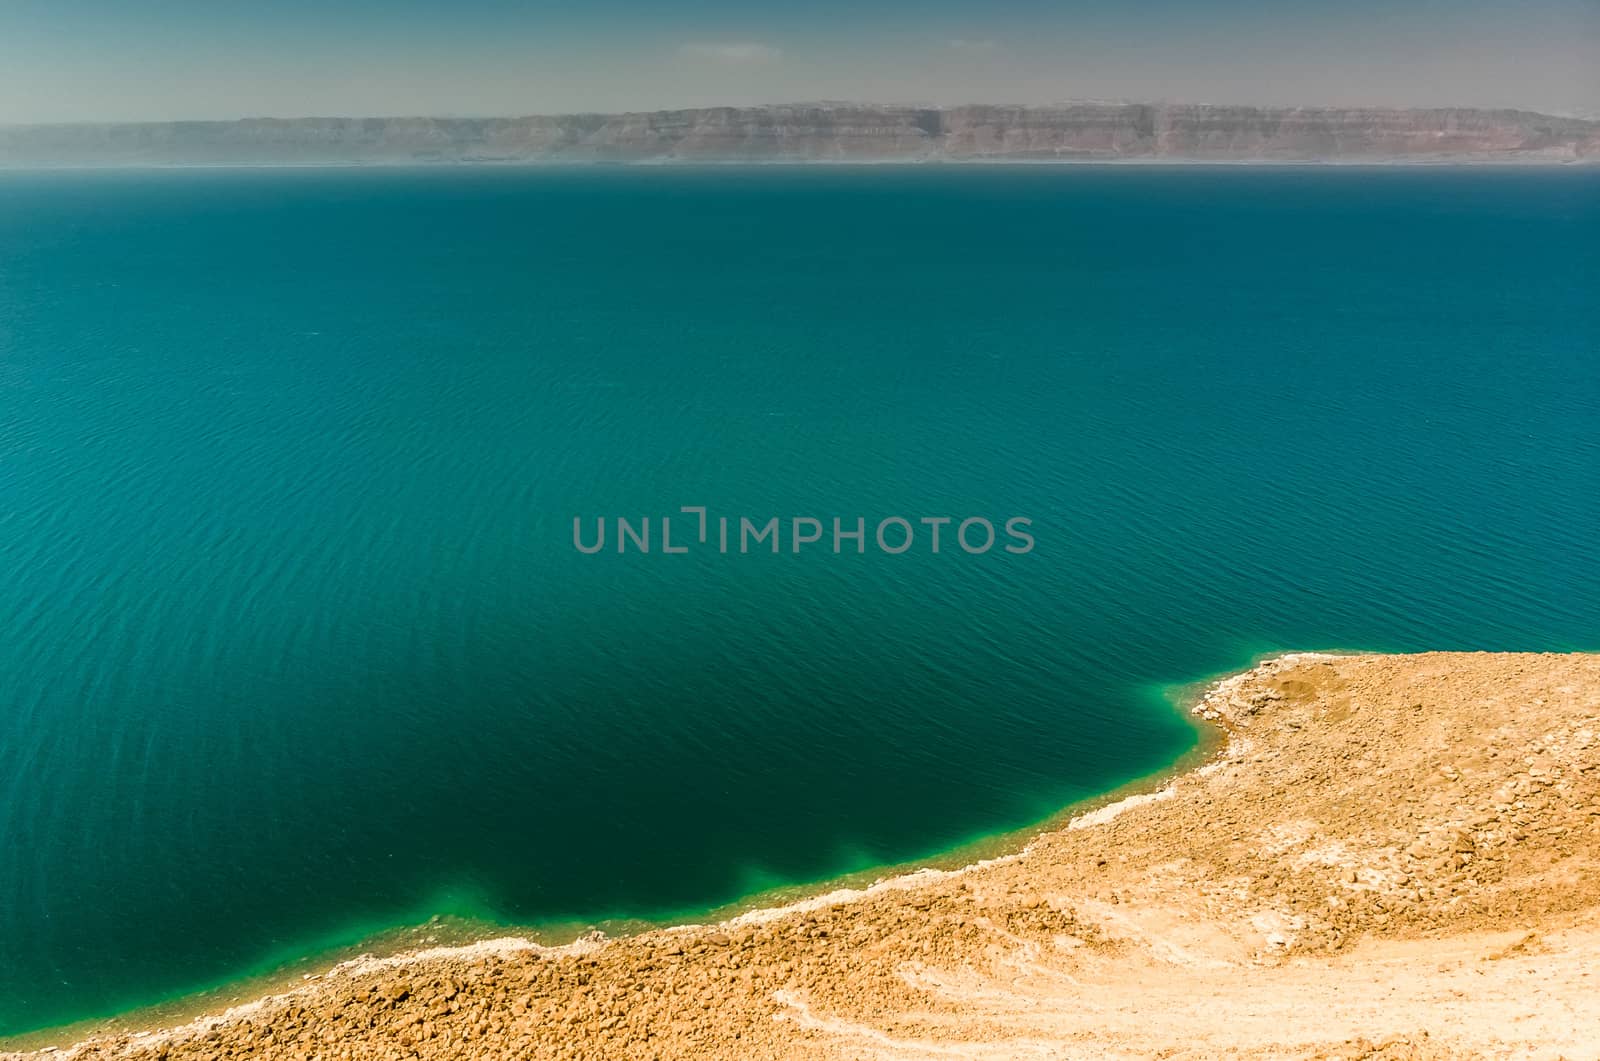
(1102, 132)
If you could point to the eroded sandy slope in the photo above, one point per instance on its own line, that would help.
(1395, 857)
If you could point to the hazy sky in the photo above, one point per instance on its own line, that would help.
(72, 60)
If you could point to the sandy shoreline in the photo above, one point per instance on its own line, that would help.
(201, 1010)
(1391, 856)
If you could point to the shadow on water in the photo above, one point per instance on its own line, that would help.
(460, 918)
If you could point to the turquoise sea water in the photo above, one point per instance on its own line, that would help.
(297, 645)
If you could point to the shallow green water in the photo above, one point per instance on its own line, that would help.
(298, 644)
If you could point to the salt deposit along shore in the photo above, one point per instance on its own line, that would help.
(1390, 857)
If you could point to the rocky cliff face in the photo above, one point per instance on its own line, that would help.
(832, 133)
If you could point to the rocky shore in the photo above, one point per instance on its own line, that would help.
(1391, 857)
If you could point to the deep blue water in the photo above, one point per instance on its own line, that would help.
(296, 642)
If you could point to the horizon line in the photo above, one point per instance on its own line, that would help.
(820, 103)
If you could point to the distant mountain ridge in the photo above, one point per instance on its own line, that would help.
(1088, 132)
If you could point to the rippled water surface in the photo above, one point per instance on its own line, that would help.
(296, 644)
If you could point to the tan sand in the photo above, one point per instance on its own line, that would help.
(1394, 857)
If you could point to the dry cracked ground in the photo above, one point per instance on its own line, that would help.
(1394, 857)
